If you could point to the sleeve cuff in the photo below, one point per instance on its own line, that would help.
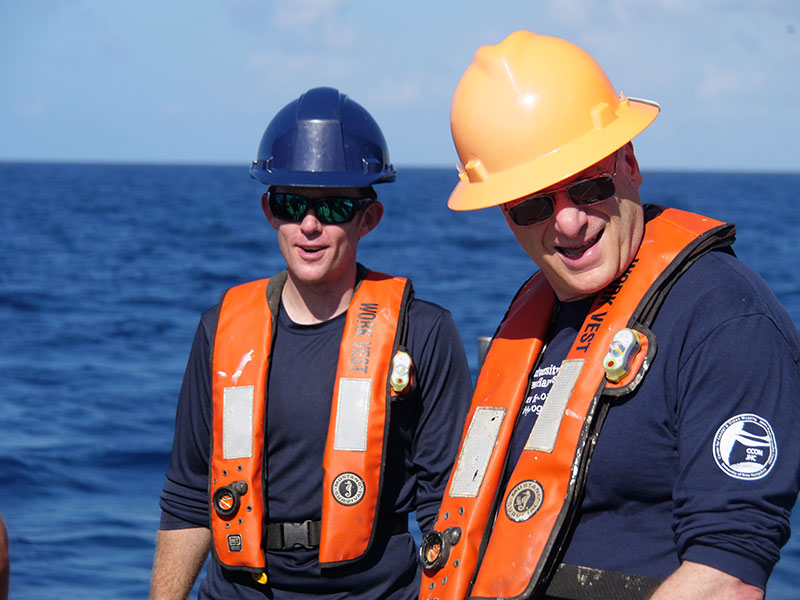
(746, 569)
(169, 522)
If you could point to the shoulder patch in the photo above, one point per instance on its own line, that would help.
(745, 447)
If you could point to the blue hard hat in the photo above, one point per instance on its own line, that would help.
(323, 139)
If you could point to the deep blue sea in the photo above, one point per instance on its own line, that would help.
(104, 271)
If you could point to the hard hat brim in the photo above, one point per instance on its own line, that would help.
(544, 171)
(321, 179)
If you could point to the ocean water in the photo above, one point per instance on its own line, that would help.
(105, 270)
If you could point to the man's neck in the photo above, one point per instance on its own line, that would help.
(311, 304)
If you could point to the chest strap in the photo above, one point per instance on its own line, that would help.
(571, 582)
(289, 536)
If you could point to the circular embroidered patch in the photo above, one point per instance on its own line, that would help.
(348, 489)
(524, 500)
(745, 447)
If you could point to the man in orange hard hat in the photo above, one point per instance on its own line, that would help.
(631, 431)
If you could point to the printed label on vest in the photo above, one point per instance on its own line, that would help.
(234, 543)
(365, 325)
(609, 294)
(476, 451)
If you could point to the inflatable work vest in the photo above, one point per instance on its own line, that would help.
(375, 329)
(505, 543)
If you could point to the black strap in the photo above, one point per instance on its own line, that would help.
(571, 582)
(288, 536)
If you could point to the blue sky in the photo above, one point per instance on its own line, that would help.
(196, 82)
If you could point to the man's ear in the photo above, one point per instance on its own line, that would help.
(370, 219)
(632, 165)
(268, 211)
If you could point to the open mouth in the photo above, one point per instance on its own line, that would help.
(578, 251)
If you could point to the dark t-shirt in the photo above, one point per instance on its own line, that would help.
(423, 440)
(702, 462)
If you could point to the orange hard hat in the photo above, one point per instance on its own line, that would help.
(532, 111)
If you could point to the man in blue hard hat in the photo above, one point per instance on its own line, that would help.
(320, 406)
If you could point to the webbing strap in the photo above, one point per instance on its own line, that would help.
(572, 582)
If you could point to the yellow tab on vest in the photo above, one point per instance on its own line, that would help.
(545, 430)
(237, 422)
(476, 451)
(260, 578)
(352, 414)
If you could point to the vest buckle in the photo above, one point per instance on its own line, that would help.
(288, 536)
(297, 535)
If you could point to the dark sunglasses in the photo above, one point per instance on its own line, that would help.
(330, 210)
(538, 208)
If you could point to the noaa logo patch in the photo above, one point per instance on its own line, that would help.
(524, 500)
(745, 447)
(348, 489)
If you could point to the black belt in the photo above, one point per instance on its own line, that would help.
(583, 583)
(287, 536)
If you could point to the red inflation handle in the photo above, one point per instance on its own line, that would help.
(435, 548)
(227, 499)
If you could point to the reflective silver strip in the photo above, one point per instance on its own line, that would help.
(477, 450)
(237, 422)
(545, 430)
(352, 414)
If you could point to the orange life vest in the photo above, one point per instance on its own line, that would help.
(355, 451)
(505, 543)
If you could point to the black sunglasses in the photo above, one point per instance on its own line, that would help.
(330, 210)
(537, 208)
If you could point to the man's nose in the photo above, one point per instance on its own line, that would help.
(569, 218)
(310, 222)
